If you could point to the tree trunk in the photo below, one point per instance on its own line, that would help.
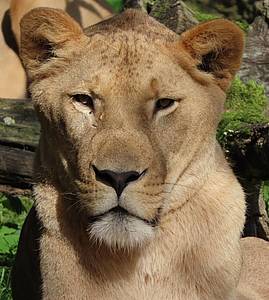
(257, 223)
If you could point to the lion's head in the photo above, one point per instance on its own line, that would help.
(129, 112)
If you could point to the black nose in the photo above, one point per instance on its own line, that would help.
(116, 180)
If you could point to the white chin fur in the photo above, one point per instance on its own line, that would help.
(125, 232)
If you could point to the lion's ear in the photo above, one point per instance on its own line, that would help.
(216, 47)
(45, 31)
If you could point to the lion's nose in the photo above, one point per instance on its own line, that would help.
(116, 180)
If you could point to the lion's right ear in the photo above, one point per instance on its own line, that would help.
(44, 33)
(215, 48)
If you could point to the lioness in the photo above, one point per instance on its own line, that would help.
(134, 199)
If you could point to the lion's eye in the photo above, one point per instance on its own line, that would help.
(164, 103)
(84, 99)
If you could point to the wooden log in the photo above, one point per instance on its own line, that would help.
(18, 122)
(249, 152)
(257, 223)
(16, 165)
(19, 134)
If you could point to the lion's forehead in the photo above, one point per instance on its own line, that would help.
(124, 59)
(127, 49)
(132, 22)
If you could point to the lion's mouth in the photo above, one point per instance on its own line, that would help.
(122, 213)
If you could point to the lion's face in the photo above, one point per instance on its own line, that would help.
(126, 118)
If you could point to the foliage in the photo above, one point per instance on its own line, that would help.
(5, 292)
(203, 16)
(245, 105)
(231, 9)
(13, 211)
(115, 4)
(161, 8)
(243, 25)
(266, 194)
(199, 14)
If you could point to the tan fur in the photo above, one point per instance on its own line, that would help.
(92, 13)
(13, 78)
(223, 41)
(127, 63)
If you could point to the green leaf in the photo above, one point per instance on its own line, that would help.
(245, 105)
(115, 4)
(4, 230)
(9, 238)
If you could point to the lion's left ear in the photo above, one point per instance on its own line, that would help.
(44, 33)
(217, 48)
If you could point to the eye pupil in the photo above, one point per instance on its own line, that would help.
(164, 103)
(84, 99)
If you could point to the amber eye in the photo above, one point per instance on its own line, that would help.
(164, 103)
(84, 99)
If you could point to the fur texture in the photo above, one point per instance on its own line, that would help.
(13, 77)
(179, 235)
(13, 82)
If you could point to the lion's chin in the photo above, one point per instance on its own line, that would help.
(120, 231)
